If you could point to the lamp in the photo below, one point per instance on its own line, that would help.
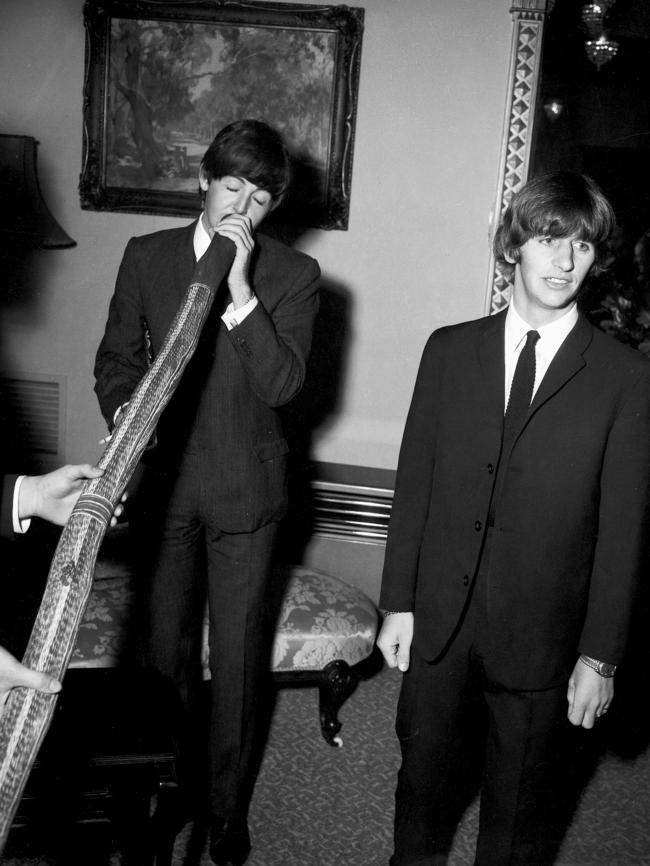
(24, 217)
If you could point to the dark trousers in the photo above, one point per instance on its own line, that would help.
(452, 717)
(185, 558)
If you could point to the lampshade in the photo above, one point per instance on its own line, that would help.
(24, 216)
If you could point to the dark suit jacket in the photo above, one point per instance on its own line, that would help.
(568, 537)
(7, 484)
(224, 411)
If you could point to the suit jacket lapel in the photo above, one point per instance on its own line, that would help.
(567, 362)
(183, 261)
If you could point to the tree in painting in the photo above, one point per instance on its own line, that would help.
(173, 85)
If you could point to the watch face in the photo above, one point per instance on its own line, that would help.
(606, 670)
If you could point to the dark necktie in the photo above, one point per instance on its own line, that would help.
(521, 392)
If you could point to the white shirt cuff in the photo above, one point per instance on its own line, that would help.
(119, 409)
(233, 317)
(20, 526)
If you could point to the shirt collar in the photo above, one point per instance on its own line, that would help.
(201, 239)
(551, 336)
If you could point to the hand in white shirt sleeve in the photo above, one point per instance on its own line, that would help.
(52, 496)
(233, 317)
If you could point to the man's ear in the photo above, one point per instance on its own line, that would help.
(204, 183)
(511, 256)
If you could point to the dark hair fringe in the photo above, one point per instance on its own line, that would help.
(560, 205)
(253, 150)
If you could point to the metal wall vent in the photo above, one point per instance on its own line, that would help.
(351, 511)
(33, 409)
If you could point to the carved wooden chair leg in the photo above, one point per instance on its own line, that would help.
(336, 684)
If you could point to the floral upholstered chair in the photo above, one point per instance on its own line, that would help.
(325, 629)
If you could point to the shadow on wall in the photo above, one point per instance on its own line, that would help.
(26, 274)
(317, 405)
(19, 276)
(22, 277)
(304, 205)
(25, 560)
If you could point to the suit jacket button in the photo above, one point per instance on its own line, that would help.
(466, 580)
(490, 468)
(478, 526)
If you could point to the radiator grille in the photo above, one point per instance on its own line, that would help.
(34, 418)
(346, 510)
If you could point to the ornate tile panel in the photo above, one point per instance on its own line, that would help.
(525, 61)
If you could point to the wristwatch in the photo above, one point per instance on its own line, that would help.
(602, 668)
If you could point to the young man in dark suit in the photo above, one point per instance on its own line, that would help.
(516, 539)
(214, 488)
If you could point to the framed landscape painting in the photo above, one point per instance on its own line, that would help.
(162, 78)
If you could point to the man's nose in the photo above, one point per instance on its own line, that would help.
(563, 257)
(241, 204)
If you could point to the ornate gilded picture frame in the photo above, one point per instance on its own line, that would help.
(163, 77)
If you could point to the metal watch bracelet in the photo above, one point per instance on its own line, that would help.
(602, 668)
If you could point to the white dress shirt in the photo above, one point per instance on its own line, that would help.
(551, 337)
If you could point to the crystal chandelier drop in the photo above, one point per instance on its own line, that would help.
(601, 50)
(593, 15)
(599, 47)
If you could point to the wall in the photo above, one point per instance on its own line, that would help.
(431, 105)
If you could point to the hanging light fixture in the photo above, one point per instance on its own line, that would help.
(553, 108)
(599, 47)
(601, 50)
(25, 219)
(593, 16)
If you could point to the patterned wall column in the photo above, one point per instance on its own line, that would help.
(523, 80)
